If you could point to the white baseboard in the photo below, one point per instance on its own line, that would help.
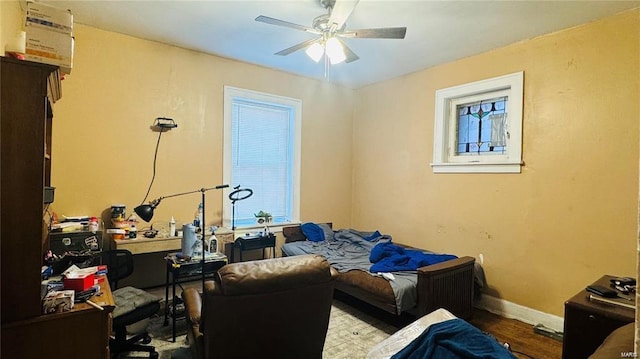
(515, 311)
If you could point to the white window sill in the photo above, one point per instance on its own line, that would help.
(477, 167)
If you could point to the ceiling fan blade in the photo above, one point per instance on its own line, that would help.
(297, 47)
(341, 11)
(379, 33)
(272, 21)
(351, 56)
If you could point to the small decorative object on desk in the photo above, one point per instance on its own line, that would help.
(265, 218)
(118, 212)
(93, 224)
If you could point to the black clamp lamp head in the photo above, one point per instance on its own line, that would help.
(145, 211)
(164, 123)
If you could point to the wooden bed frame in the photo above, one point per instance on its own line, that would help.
(446, 285)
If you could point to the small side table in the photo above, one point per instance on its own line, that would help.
(587, 323)
(186, 270)
(258, 242)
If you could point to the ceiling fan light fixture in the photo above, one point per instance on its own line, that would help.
(315, 52)
(335, 51)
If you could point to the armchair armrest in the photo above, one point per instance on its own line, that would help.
(193, 310)
(447, 285)
(192, 305)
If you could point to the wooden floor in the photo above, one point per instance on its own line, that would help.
(523, 341)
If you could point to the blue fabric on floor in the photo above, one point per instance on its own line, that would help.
(454, 339)
(389, 257)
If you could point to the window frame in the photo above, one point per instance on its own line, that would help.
(445, 159)
(230, 93)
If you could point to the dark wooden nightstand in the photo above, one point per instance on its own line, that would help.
(587, 323)
(258, 241)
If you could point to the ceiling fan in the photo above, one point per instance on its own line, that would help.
(331, 27)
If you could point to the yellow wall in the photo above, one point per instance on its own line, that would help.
(569, 217)
(10, 22)
(103, 145)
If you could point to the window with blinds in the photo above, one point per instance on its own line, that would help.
(262, 154)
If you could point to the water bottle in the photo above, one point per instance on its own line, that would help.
(197, 220)
(133, 231)
(172, 227)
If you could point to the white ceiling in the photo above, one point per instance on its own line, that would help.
(437, 31)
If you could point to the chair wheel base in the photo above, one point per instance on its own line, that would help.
(146, 339)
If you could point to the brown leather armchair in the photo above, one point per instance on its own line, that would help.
(272, 308)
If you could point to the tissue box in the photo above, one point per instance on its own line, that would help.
(49, 17)
(49, 47)
(50, 285)
(79, 281)
(58, 301)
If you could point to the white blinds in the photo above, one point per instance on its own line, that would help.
(262, 152)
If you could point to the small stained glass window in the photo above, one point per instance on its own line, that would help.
(481, 127)
(478, 126)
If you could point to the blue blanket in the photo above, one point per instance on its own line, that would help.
(454, 339)
(388, 257)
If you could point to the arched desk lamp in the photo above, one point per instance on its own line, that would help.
(145, 211)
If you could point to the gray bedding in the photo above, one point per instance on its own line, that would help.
(350, 250)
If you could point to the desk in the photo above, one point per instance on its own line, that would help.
(182, 271)
(83, 332)
(262, 242)
(149, 253)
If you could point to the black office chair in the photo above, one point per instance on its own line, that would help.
(132, 305)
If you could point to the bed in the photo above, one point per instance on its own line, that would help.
(447, 284)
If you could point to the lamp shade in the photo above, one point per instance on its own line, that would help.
(145, 211)
(335, 51)
(315, 52)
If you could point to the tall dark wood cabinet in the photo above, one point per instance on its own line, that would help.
(27, 90)
(25, 133)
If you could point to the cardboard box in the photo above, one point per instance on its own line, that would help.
(58, 301)
(50, 47)
(48, 17)
(79, 281)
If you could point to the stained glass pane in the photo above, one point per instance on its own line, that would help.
(481, 127)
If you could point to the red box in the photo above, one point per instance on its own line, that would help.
(79, 282)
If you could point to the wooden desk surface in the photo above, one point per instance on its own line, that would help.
(103, 298)
(143, 245)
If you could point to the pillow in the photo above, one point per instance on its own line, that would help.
(373, 236)
(313, 232)
(328, 232)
